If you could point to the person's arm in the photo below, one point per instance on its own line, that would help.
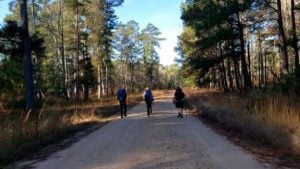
(175, 96)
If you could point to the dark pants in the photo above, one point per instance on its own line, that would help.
(149, 107)
(123, 109)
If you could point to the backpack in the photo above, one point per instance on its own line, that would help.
(122, 95)
(148, 95)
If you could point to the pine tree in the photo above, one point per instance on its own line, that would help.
(150, 42)
(28, 67)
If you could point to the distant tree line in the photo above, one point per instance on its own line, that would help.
(241, 44)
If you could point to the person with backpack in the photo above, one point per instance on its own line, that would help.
(148, 97)
(122, 97)
(179, 100)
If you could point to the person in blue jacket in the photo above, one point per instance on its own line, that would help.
(148, 97)
(122, 97)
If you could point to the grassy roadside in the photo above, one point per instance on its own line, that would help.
(264, 118)
(23, 135)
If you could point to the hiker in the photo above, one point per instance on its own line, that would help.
(148, 96)
(122, 97)
(179, 99)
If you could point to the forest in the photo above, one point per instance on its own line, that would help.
(78, 58)
(248, 44)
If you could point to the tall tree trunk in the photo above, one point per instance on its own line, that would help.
(99, 81)
(86, 92)
(262, 67)
(74, 75)
(249, 61)
(36, 75)
(86, 81)
(294, 32)
(131, 75)
(111, 86)
(223, 71)
(102, 78)
(62, 49)
(260, 61)
(33, 16)
(247, 81)
(126, 74)
(106, 79)
(131, 79)
(236, 66)
(282, 39)
(221, 80)
(77, 53)
(28, 67)
(273, 67)
(230, 79)
(265, 69)
(224, 76)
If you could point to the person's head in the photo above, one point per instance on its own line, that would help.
(121, 87)
(147, 88)
(178, 89)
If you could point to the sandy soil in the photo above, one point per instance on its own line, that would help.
(162, 141)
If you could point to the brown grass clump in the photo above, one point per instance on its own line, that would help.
(269, 117)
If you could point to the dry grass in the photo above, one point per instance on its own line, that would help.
(25, 133)
(269, 117)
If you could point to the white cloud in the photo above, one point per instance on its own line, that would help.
(166, 51)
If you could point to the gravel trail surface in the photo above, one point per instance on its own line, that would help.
(162, 141)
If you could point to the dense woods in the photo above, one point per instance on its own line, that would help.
(80, 51)
(244, 44)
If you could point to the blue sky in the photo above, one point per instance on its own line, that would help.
(165, 14)
(3, 9)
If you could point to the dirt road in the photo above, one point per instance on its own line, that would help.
(162, 141)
